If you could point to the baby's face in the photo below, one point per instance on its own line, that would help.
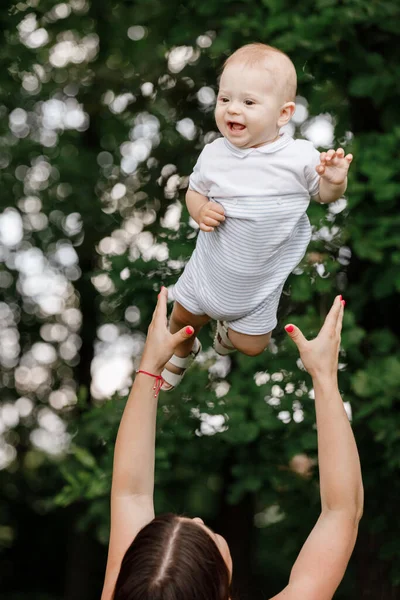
(248, 106)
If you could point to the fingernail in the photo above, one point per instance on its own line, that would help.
(344, 302)
(289, 328)
(189, 330)
(340, 297)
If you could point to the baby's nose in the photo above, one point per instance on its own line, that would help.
(234, 108)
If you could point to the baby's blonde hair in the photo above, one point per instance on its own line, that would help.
(275, 61)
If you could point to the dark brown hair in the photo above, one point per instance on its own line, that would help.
(173, 559)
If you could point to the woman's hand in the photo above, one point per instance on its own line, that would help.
(160, 343)
(320, 356)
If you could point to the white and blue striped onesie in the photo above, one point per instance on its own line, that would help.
(236, 272)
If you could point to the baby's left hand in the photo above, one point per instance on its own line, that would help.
(334, 166)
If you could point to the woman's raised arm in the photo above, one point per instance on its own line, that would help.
(323, 559)
(133, 470)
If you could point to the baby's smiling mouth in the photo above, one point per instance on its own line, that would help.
(234, 126)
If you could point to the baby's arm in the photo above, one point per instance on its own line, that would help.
(206, 214)
(194, 202)
(333, 169)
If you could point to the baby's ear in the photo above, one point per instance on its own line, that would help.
(287, 111)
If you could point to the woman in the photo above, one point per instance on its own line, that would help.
(175, 558)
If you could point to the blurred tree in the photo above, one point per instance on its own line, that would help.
(105, 107)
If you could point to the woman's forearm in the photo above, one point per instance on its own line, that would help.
(133, 471)
(339, 463)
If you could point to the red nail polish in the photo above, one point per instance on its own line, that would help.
(189, 330)
(344, 302)
(340, 297)
(289, 328)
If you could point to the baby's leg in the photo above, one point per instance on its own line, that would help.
(179, 318)
(261, 318)
(252, 345)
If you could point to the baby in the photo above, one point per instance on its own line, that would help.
(249, 193)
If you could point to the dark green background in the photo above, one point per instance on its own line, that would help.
(54, 512)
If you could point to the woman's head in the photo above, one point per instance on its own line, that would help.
(175, 558)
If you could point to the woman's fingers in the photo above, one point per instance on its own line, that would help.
(182, 335)
(339, 321)
(332, 316)
(296, 335)
(160, 317)
(160, 311)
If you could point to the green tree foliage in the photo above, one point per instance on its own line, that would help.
(104, 108)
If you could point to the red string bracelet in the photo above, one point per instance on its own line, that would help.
(158, 383)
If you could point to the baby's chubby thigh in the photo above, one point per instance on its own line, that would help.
(251, 334)
(180, 317)
(251, 345)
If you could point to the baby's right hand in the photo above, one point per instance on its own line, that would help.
(211, 215)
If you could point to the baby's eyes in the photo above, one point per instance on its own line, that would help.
(224, 100)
